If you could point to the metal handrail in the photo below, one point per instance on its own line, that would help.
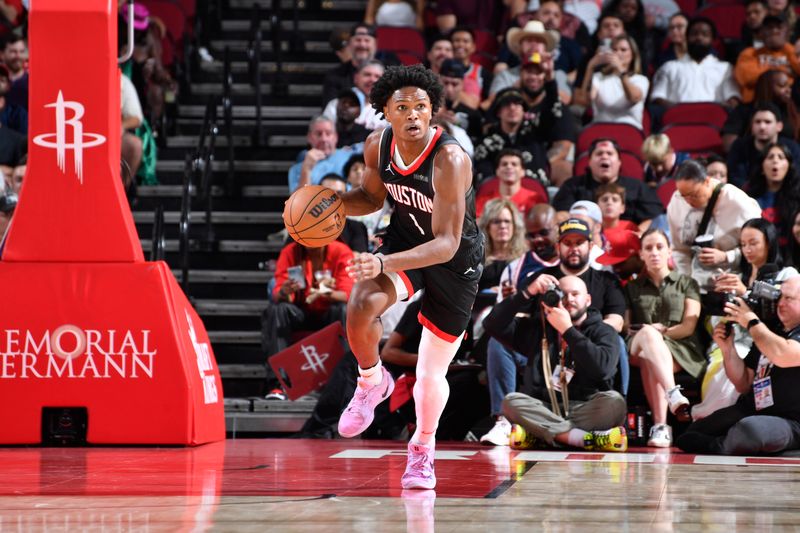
(158, 241)
(227, 112)
(204, 169)
(184, 224)
(279, 85)
(254, 68)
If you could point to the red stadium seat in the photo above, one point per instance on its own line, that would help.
(694, 138)
(646, 122)
(632, 166)
(696, 112)
(665, 191)
(407, 58)
(728, 18)
(486, 42)
(688, 6)
(405, 40)
(627, 137)
(483, 59)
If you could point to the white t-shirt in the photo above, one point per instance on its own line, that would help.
(685, 80)
(732, 210)
(611, 104)
(396, 14)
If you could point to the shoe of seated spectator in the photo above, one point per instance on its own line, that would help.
(679, 404)
(275, 394)
(205, 55)
(660, 436)
(520, 439)
(498, 435)
(612, 440)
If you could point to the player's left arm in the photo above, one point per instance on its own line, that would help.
(452, 177)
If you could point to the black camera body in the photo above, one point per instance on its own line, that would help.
(552, 296)
(763, 300)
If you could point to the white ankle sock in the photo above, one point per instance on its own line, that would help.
(575, 437)
(372, 375)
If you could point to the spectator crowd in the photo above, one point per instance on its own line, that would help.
(636, 182)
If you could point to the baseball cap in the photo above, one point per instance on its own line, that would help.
(591, 209)
(508, 96)
(535, 59)
(8, 202)
(574, 226)
(773, 20)
(620, 245)
(362, 29)
(452, 68)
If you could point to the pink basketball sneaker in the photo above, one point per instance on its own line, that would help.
(419, 469)
(361, 410)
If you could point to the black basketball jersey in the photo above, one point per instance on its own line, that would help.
(412, 190)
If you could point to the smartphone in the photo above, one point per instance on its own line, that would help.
(296, 274)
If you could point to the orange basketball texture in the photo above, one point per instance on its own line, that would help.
(314, 215)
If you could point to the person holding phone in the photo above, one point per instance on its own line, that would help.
(302, 300)
(663, 311)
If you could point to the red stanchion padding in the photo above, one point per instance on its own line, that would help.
(85, 323)
(305, 366)
(73, 206)
(120, 340)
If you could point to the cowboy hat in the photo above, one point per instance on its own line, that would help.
(534, 28)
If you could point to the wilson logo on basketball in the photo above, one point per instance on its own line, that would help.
(323, 204)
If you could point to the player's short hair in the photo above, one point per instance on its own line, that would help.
(397, 77)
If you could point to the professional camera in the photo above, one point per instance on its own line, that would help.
(714, 302)
(763, 300)
(552, 296)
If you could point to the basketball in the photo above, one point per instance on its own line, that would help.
(314, 215)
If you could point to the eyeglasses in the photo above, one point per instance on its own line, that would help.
(541, 233)
(695, 194)
(501, 222)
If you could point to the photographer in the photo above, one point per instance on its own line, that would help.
(766, 417)
(761, 261)
(705, 217)
(593, 411)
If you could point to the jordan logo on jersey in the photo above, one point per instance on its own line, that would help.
(406, 195)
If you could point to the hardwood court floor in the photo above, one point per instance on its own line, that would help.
(353, 485)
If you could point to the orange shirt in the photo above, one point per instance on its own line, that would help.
(753, 62)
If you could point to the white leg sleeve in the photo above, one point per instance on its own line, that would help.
(431, 389)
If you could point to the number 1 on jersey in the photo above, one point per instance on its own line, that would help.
(416, 223)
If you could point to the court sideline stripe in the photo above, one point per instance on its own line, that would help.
(507, 484)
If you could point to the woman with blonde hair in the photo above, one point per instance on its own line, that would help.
(501, 224)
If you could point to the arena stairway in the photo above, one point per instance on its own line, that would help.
(228, 282)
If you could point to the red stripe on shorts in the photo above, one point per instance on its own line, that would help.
(436, 331)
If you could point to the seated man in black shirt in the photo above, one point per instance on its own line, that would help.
(642, 203)
(468, 402)
(512, 130)
(593, 411)
(766, 417)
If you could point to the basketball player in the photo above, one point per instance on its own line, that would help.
(432, 242)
